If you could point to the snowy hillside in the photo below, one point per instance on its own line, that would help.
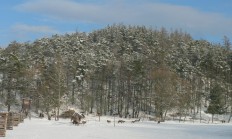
(130, 71)
(93, 129)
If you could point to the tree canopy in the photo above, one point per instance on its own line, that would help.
(123, 69)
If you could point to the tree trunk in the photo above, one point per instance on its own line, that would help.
(82, 94)
(133, 104)
(128, 97)
(49, 116)
(8, 101)
(108, 95)
(165, 114)
(200, 113)
(58, 113)
(73, 91)
(212, 117)
(230, 115)
(8, 107)
(180, 118)
(92, 96)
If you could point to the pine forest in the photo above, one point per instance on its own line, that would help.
(121, 69)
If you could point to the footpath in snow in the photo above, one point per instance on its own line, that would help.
(63, 129)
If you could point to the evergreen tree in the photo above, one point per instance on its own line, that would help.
(215, 103)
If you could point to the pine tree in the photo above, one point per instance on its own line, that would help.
(215, 105)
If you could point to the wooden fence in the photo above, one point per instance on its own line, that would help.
(8, 120)
(3, 123)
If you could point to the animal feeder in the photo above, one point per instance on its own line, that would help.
(26, 105)
(3, 123)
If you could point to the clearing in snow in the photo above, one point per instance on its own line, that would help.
(93, 129)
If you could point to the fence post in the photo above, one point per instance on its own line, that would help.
(3, 123)
(10, 121)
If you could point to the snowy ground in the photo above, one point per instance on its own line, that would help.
(93, 129)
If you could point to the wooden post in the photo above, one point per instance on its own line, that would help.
(16, 119)
(3, 123)
(22, 117)
(10, 121)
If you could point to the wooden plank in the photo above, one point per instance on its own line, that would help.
(16, 119)
(2, 119)
(2, 133)
(2, 126)
(3, 123)
(10, 122)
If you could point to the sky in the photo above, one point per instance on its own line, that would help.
(27, 20)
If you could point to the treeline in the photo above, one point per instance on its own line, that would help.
(120, 69)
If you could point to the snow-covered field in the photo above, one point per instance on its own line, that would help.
(63, 129)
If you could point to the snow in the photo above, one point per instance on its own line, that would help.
(63, 129)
